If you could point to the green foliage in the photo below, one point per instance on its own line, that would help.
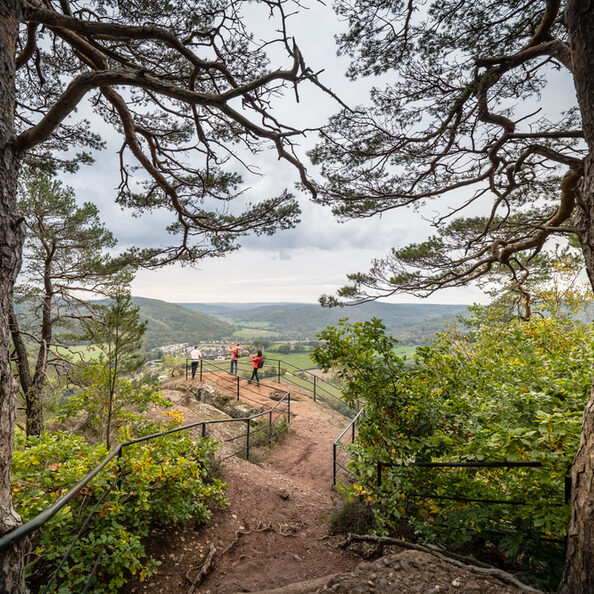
(168, 479)
(497, 390)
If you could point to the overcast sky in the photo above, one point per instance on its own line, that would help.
(295, 265)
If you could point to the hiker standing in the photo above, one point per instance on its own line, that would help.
(257, 363)
(234, 350)
(195, 356)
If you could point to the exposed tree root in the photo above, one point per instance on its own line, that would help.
(261, 528)
(476, 567)
(204, 568)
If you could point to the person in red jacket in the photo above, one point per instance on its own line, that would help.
(234, 350)
(256, 360)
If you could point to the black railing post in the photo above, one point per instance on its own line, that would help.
(379, 474)
(334, 464)
(203, 429)
(247, 441)
(279, 370)
(314, 388)
(353, 432)
(200, 369)
(270, 427)
(237, 387)
(186, 369)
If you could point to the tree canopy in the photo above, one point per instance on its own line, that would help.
(460, 125)
(191, 91)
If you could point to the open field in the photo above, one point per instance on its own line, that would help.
(405, 351)
(79, 352)
(250, 333)
(300, 360)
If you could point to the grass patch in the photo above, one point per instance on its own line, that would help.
(301, 360)
(79, 352)
(406, 351)
(247, 334)
(354, 517)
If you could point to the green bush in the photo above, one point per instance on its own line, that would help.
(167, 479)
(497, 390)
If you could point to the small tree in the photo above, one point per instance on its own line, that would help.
(117, 332)
(64, 257)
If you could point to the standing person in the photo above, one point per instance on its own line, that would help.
(234, 350)
(195, 356)
(257, 362)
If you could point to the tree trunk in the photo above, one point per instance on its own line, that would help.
(578, 577)
(31, 388)
(34, 411)
(11, 243)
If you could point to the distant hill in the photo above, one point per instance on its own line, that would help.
(239, 310)
(410, 323)
(169, 323)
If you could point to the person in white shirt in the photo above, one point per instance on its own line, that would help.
(195, 356)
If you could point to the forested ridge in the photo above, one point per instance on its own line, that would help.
(410, 323)
(169, 323)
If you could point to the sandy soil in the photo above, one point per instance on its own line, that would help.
(274, 533)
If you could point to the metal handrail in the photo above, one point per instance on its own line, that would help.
(475, 464)
(35, 523)
(315, 382)
(352, 427)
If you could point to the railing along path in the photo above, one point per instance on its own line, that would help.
(255, 434)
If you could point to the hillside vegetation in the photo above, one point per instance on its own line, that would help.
(169, 323)
(496, 391)
(409, 323)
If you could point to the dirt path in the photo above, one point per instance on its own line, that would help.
(271, 535)
(271, 538)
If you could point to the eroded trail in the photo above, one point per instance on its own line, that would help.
(271, 535)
